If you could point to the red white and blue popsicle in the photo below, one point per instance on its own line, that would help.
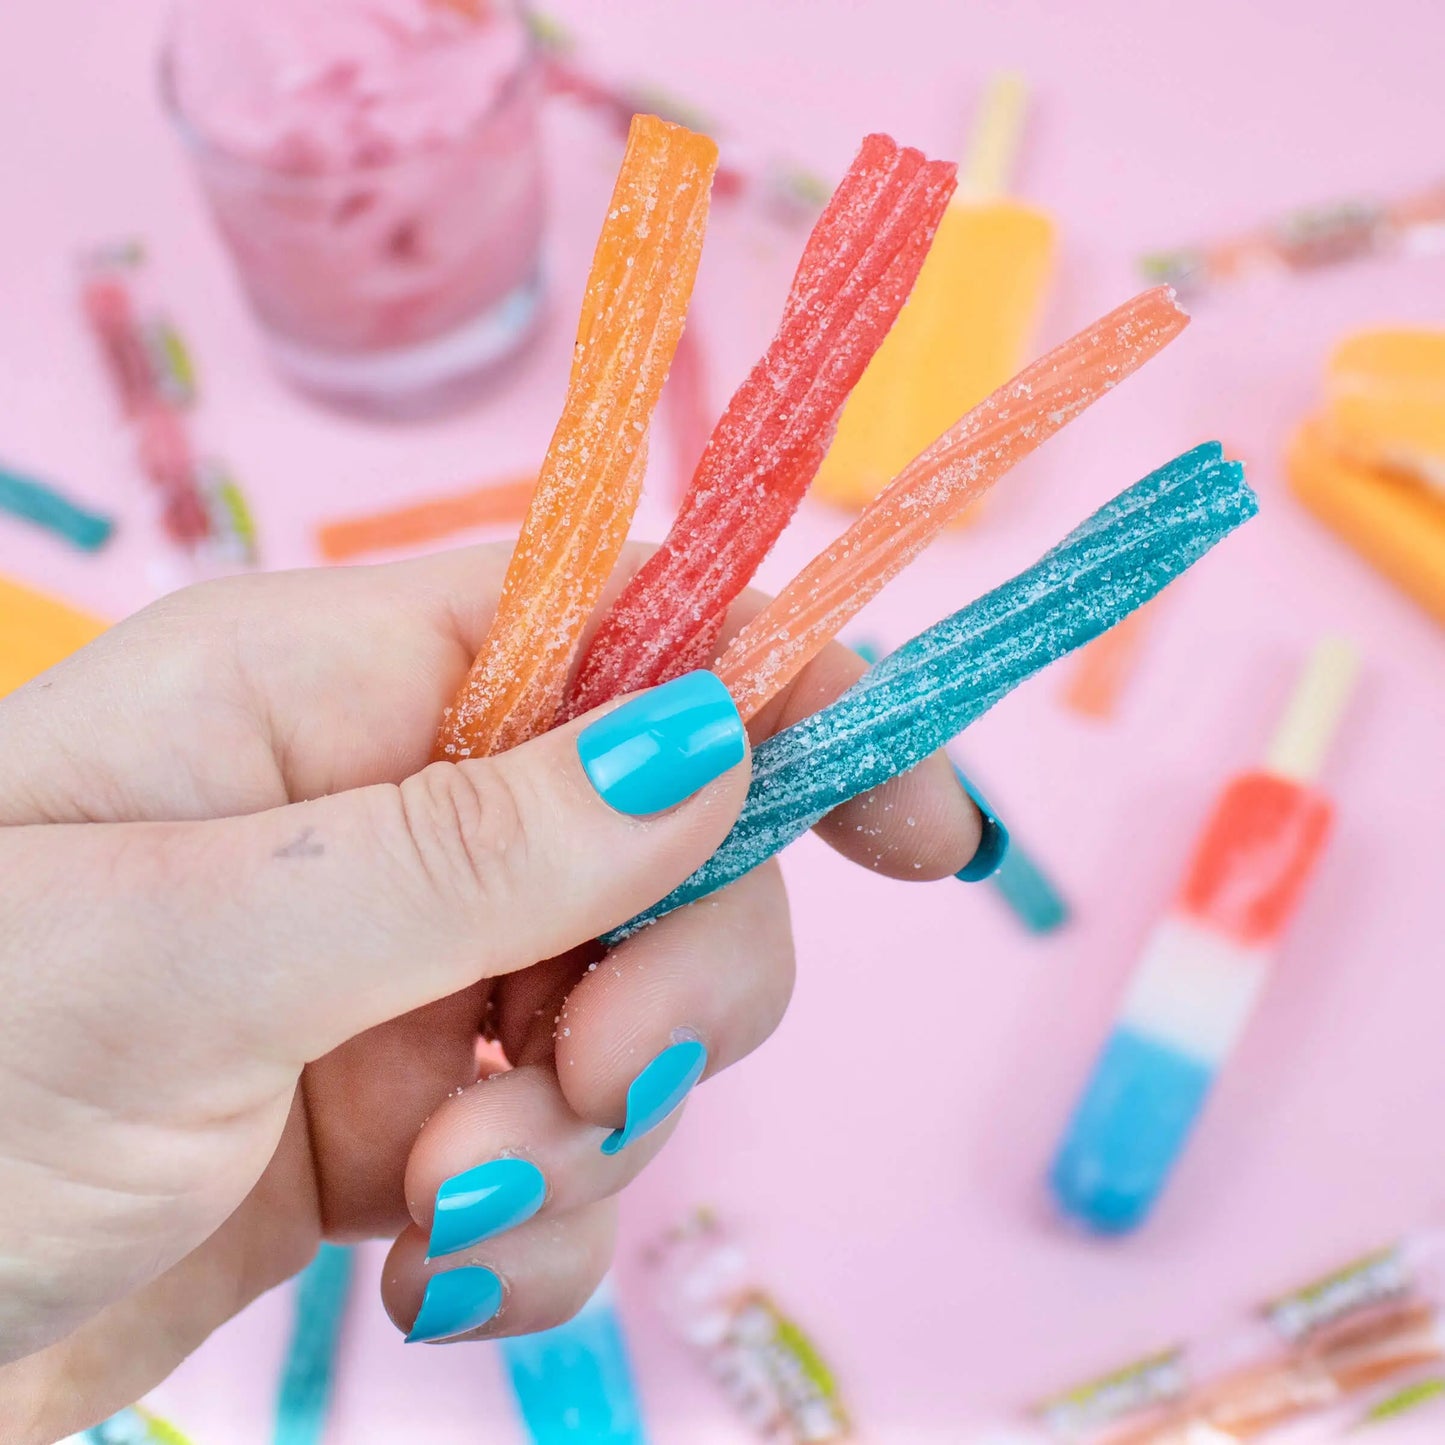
(1204, 966)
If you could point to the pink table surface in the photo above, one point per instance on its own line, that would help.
(883, 1153)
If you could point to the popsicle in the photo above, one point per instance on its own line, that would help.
(856, 271)
(968, 326)
(936, 486)
(36, 632)
(1385, 401)
(1204, 965)
(932, 687)
(591, 480)
(1395, 522)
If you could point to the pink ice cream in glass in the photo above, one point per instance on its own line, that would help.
(375, 169)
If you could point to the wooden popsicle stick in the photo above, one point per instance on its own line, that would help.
(993, 143)
(1313, 714)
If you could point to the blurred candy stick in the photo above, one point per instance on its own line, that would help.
(131, 1426)
(765, 1364)
(1307, 1346)
(308, 1374)
(1104, 668)
(1019, 881)
(968, 325)
(574, 1383)
(202, 512)
(777, 187)
(38, 502)
(493, 504)
(1204, 965)
(1306, 240)
(36, 632)
(1015, 876)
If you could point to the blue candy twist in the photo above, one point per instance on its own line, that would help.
(931, 688)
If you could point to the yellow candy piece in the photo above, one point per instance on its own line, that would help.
(36, 632)
(1394, 521)
(1385, 401)
(965, 331)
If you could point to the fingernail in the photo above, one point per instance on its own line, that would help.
(651, 753)
(455, 1302)
(657, 1091)
(992, 846)
(478, 1203)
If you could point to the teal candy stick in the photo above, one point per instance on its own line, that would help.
(1029, 893)
(309, 1372)
(931, 688)
(34, 501)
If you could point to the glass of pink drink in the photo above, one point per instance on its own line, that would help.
(375, 169)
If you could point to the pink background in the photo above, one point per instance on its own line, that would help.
(883, 1154)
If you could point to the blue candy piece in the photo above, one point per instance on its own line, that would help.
(931, 688)
(1030, 894)
(1128, 1129)
(36, 502)
(574, 1382)
(308, 1374)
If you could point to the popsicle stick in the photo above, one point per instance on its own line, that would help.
(994, 142)
(1313, 715)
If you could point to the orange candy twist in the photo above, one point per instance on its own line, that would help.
(632, 316)
(935, 487)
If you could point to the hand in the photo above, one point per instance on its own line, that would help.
(248, 940)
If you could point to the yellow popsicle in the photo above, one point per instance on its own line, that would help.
(1394, 521)
(967, 326)
(1385, 400)
(36, 632)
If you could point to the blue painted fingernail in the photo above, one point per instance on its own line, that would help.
(657, 1091)
(456, 1302)
(992, 846)
(484, 1201)
(651, 753)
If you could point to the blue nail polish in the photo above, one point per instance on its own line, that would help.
(657, 1091)
(456, 1302)
(478, 1203)
(651, 753)
(992, 846)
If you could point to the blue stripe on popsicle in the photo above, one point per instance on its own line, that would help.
(1128, 1129)
(931, 688)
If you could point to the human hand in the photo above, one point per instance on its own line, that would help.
(237, 1021)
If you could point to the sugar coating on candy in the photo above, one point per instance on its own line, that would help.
(856, 271)
(936, 486)
(931, 688)
(590, 483)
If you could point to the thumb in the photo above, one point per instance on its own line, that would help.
(295, 929)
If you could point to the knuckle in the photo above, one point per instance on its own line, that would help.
(466, 830)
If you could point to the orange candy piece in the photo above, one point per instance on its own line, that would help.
(935, 487)
(422, 522)
(632, 317)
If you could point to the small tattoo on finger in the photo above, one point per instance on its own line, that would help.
(303, 845)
